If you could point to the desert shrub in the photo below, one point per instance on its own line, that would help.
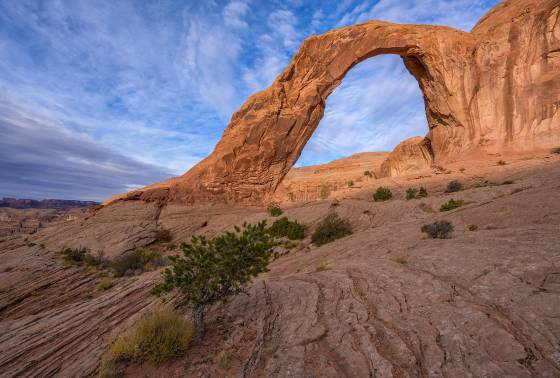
(438, 230)
(136, 262)
(284, 227)
(501, 162)
(462, 170)
(555, 150)
(332, 227)
(95, 260)
(368, 174)
(350, 183)
(163, 235)
(411, 193)
(507, 182)
(158, 336)
(451, 205)
(273, 209)
(422, 192)
(321, 267)
(111, 369)
(76, 255)
(382, 194)
(104, 283)
(210, 270)
(324, 192)
(454, 186)
(473, 227)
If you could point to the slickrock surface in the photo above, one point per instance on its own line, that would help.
(304, 184)
(412, 155)
(494, 89)
(382, 302)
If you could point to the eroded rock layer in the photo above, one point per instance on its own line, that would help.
(496, 88)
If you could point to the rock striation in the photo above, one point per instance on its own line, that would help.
(494, 89)
(414, 154)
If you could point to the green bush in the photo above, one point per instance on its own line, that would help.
(74, 255)
(454, 186)
(350, 183)
(274, 209)
(96, 260)
(157, 337)
(382, 194)
(438, 229)
(451, 205)
(411, 193)
(136, 262)
(331, 228)
(368, 174)
(501, 162)
(286, 228)
(324, 193)
(210, 270)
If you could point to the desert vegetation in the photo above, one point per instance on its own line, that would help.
(159, 336)
(284, 227)
(413, 193)
(454, 186)
(211, 270)
(331, 228)
(438, 230)
(136, 262)
(382, 194)
(452, 204)
(273, 209)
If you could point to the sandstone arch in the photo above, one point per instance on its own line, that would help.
(495, 88)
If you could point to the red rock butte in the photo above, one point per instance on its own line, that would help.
(494, 89)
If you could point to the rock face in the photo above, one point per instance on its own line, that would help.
(304, 184)
(414, 154)
(496, 88)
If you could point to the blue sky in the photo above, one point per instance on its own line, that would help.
(99, 97)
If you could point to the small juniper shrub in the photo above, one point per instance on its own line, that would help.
(331, 228)
(137, 262)
(411, 193)
(555, 150)
(321, 267)
(324, 192)
(401, 260)
(454, 186)
(159, 336)
(163, 235)
(273, 209)
(367, 174)
(335, 203)
(451, 205)
(211, 270)
(462, 170)
(438, 230)
(501, 162)
(350, 183)
(473, 227)
(422, 192)
(76, 255)
(284, 227)
(382, 194)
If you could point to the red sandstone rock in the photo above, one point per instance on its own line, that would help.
(414, 154)
(494, 89)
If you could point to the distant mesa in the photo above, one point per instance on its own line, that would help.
(58, 204)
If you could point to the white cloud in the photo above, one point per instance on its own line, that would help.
(234, 13)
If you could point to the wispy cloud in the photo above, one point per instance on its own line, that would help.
(144, 85)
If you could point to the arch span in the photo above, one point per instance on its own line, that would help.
(494, 88)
